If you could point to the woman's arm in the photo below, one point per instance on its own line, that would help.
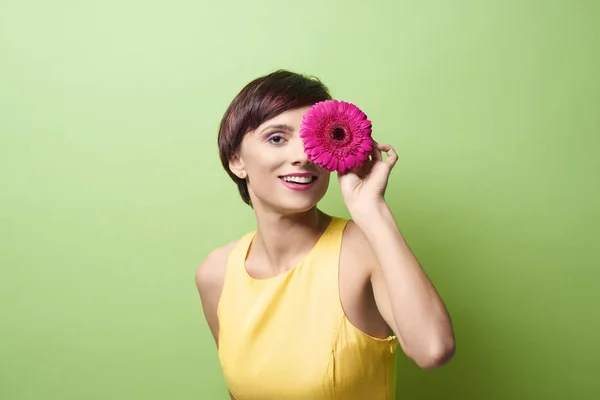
(405, 296)
(210, 276)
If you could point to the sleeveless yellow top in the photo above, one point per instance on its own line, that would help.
(287, 337)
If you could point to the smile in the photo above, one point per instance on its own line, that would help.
(298, 181)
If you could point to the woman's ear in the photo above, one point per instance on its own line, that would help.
(236, 165)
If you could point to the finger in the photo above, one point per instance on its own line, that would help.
(361, 170)
(376, 152)
(392, 156)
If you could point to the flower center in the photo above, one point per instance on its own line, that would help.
(338, 133)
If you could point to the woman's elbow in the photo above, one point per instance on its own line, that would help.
(438, 355)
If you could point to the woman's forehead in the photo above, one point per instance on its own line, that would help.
(291, 118)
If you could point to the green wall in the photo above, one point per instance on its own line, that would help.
(111, 190)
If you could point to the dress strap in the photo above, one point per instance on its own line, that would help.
(332, 239)
(238, 255)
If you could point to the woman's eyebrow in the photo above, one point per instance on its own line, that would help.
(284, 127)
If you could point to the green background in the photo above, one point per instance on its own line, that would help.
(112, 192)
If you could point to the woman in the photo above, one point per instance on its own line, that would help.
(311, 306)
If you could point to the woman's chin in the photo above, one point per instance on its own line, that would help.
(288, 201)
(291, 205)
(296, 207)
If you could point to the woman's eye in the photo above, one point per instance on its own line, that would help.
(276, 139)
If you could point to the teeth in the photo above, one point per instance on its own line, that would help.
(298, 179)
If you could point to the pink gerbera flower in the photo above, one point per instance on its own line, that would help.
(336, 135)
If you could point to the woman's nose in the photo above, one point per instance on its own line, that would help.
(299, 155)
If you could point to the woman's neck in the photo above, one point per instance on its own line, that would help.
(281, 241)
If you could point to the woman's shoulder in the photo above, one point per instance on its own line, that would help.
(210, 276)
(211, 271)
(353, 235)
(356, 246)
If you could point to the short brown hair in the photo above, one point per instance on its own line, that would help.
(260, 100)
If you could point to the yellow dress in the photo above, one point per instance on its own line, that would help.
(287, 337)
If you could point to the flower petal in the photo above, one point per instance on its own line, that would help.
(317, 127)
(332, 164)
(323, 158)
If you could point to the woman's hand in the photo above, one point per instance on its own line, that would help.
(364, 187)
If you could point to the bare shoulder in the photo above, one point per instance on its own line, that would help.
(210, 276)
(358, 248)
(211, 271)
(357, 262)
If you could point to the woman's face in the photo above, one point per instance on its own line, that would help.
(276, 168)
